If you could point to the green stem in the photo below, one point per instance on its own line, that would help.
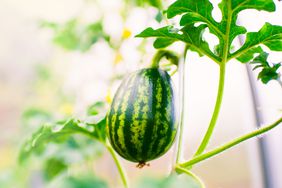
(182, 102)
(230, 144)
(214, 118)
(172, 57)
(280, 82)
(179, 169)
(118, 164)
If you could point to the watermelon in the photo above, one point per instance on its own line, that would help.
(141, 123)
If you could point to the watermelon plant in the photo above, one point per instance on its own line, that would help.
(141, 123)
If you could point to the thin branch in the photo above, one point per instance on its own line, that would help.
(230, 144)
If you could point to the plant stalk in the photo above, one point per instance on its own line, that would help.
(216, 111)
(180, 169)
(182, 104)
(171, 56)
(119, 166)
(230, 144)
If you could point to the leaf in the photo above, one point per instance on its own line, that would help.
(54, 167)
(154, 3)
(34, 114)
(95, 108)
(169, 182)
(84, 181)
(60, 132)
(230, 11)
(226, 30)
(269, 35)
(159, 17)
(268, 72)
(99, 130)
(249, 54)
(194, 11)
(75, 36)
(189, 34)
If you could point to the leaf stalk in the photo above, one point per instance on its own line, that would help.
(217, 107)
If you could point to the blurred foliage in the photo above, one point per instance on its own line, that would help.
(53, 167)
(34, 115)
(95, 108)
(268, 71)
(84, 181)
(57, 147)
(154, 3)
(171, 181)
(76, 36)
(59, 133)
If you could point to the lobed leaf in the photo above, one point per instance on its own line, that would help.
(226, 30)
(60, 132)
(269, 35)
(189, 34)
(268, 72)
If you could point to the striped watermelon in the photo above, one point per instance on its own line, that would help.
(141, 124)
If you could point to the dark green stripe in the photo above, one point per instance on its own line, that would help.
(129, 113)
(171, 121)
(156, 143)
(125, 88)
(112, 113)
(148, 136)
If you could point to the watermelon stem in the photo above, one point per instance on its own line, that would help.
(216, 111)
(141, 164)
(169, 55)
(182, 102)
(119, 166)
(180, 170)
(232, 143)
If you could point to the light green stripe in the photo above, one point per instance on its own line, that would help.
(117, 101)
(168, 117)
(122, 116)
(138, 127)
(158, 115)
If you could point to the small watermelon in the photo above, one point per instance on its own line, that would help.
(141, 123)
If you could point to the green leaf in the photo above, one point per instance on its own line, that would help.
(154, 3)
(249, 54)
(98, 130)
(269, 35)
(34, 114)
(84, 182)
(231, 9)
(268, 72)
(95, 108)
(159, 17)
(169, 182)
(189, 34)
(60, 132)
(75, 36)
(54, 167)
(194, 11)
(226, 30)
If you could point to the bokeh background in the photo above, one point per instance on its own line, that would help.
(57, 58)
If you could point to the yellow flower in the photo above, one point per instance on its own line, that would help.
(66, 109)
(118, 58)
(108, 97)
(126, 33)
